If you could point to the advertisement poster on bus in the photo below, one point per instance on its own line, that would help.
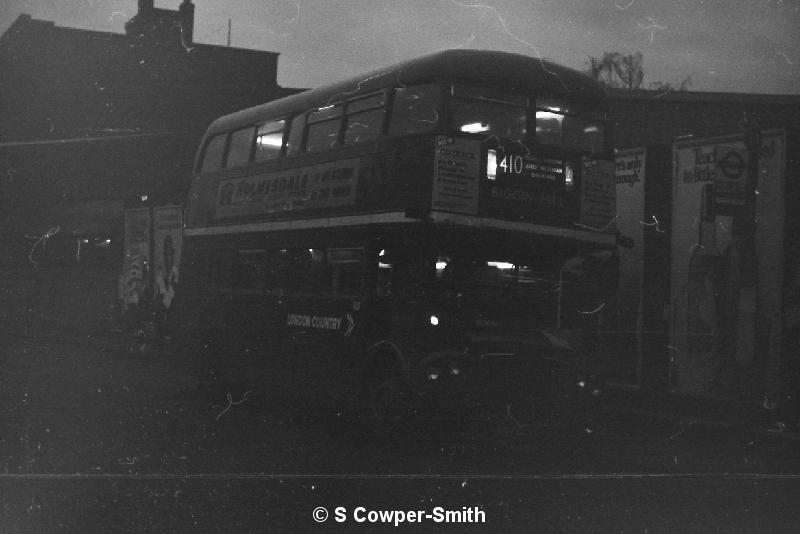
(710, 306)
(597, 201)
(133, 281)
(323, 185)
(456, 175)
(630, 175)
(167, 223)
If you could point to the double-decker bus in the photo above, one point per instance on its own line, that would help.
(436, 232)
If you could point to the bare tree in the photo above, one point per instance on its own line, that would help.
(618, 70)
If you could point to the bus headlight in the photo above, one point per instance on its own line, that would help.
(433, 373)
(434, 320)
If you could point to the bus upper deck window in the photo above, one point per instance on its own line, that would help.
(324, 125)
(583, 134)
(241, 147)
(575, 126)
(416, 109)
(488, 111)
(549, 120)
(548, 127)
(269, 140)
(364, 119)
(212, 158)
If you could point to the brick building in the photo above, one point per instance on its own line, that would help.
(92, 116)
(89, 120)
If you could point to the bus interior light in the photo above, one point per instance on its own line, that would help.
(475, 127)
(548, 115)
(270, 140)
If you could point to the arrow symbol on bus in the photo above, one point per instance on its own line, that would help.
(350, 324)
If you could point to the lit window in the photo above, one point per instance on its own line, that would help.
(269, 140)
(475, 127)
(488, 110)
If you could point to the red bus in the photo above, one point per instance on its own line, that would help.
(435, 232)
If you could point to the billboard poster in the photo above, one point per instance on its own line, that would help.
(456, 175)
(717, 320)
(167, 225)
(630, 172)
(136, 262)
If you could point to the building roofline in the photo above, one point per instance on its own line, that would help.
(25, 19)
(674, 95)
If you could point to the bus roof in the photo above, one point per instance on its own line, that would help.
(510, 70)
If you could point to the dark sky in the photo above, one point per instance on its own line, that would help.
(735, 46)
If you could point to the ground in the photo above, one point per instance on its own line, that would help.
(95, 438)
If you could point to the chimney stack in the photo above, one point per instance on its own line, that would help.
(145, 7)
(186, 16)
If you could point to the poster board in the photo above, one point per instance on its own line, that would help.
(700, 248)
(630, 173)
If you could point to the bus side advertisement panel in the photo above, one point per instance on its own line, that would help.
(324, 185)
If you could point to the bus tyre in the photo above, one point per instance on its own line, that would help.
(386, 404)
